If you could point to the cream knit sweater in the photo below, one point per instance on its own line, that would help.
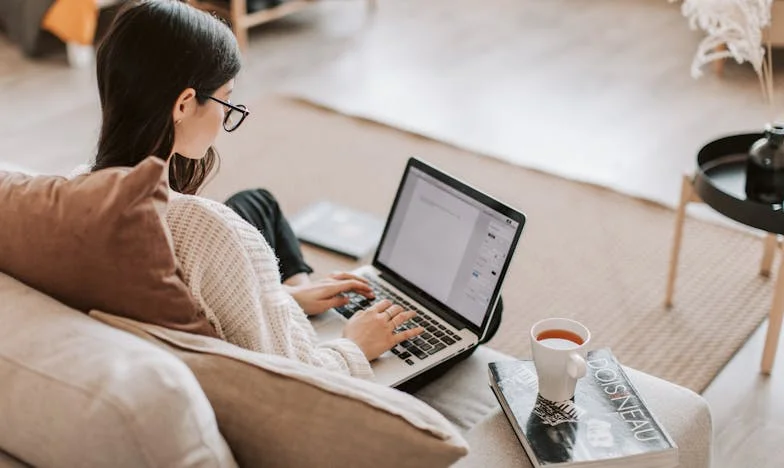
(233, 274)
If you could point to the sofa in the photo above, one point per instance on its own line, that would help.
(76, 391)
(87, 380)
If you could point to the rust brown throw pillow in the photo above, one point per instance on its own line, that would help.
(98, 241)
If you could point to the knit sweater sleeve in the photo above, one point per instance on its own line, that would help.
(233, 274)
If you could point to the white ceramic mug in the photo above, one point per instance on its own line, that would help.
(559, 362)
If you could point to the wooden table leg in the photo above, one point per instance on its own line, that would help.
(771, 241)
(687, 196)
(238, 10)
(774, 323)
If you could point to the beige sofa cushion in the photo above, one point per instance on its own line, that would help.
(74, 392)
(462, 395)
(276, 412)
(98, 241)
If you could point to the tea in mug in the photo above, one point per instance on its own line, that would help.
(559, 339)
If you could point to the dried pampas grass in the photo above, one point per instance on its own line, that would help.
(735, 29)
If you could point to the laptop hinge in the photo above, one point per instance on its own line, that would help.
(430, 305)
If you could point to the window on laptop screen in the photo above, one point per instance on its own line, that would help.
(447, 244)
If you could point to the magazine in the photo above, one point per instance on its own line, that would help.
(338, 228)
(606, 423)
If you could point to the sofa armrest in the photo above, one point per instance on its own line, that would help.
(684, 414)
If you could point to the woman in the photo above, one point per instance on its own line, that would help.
(165, 77)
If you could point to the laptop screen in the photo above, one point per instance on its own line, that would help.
(447, 243)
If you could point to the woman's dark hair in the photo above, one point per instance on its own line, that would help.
(154, 50)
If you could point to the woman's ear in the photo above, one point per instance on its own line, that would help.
(185, 105)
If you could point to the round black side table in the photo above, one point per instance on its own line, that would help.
(720, 182)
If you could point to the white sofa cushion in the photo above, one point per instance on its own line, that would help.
(10, 167)
(75, 392)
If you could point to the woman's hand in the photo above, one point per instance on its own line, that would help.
(373, 329)
(319, 296)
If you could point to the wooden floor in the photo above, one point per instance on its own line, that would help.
(456, 65)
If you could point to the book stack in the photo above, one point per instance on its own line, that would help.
(606, 424)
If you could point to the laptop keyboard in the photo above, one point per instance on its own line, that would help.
(435, 337)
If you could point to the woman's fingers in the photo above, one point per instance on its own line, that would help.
(365, 289)
(344, 286)
(380, 306)
(407, 334)
(401, 317)
(392, 311)
(342, 275)
(335, 301)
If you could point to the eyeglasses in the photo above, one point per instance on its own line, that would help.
(235, 115)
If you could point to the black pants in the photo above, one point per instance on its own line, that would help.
(260, 208)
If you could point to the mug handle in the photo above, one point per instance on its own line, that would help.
(576, 367)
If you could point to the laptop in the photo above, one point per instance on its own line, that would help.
(444, 254)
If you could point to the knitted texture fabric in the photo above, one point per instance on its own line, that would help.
(233, 275)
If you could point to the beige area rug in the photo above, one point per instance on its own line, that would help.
(586, 253)
(606, 102)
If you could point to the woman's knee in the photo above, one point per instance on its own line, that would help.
(257, 194)
(259, 198)
(266, 195)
